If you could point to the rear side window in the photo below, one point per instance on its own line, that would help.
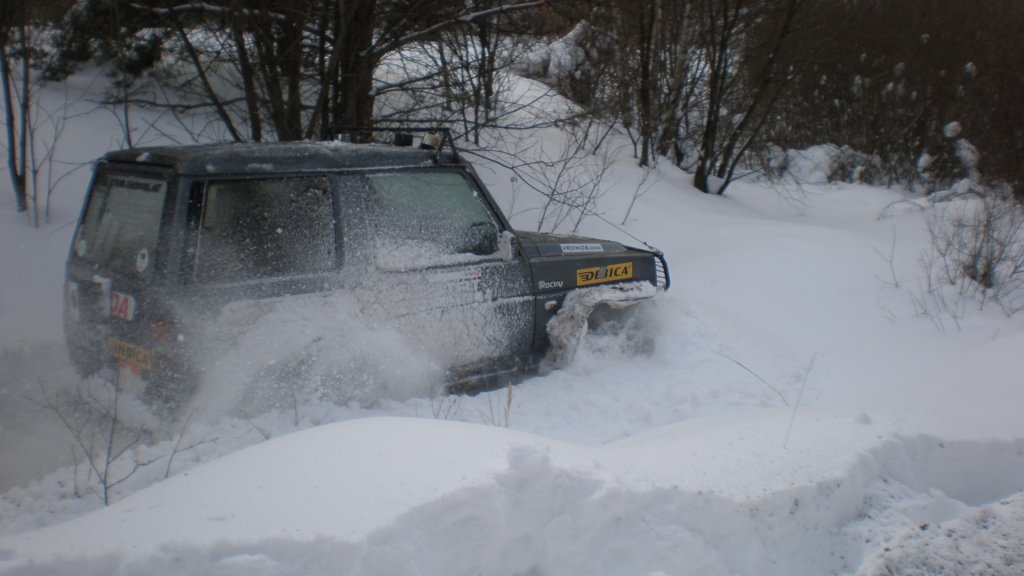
(122, 223)
(251, 229)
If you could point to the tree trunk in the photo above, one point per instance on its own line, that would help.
(248, 75)
(648, 84)
(354, 103)
(204, 80)
(15, 141)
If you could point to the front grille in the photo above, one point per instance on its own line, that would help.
(661, 271)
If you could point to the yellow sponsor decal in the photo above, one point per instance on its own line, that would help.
(135, 355)
(602, 274)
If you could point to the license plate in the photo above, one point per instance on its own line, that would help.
(130, 353)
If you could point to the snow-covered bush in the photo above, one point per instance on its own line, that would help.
(954, 160)
(557, 61)
(977, 247)
(825, 163)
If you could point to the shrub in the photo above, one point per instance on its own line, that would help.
(977, 245)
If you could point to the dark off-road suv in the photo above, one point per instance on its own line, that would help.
(172, 240)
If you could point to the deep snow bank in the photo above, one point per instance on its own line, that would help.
(399, 496)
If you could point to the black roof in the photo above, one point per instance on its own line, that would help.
(236, 158)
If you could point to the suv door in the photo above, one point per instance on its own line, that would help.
(113, 269)
(438, 270)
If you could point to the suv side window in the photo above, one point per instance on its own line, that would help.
(262, 228)
(428, 217)
(122, 223)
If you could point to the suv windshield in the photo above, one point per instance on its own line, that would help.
(428, 216)
(122, 222)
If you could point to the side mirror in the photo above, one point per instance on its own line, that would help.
(507, 245)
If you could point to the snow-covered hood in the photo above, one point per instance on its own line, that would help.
(538, 244)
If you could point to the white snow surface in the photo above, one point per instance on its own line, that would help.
(800, 414)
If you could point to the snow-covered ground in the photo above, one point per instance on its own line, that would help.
(801, 413)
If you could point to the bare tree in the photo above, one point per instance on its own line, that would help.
(569, 181)
(663, 72)
(304, 69)
(46, 171)
(638, 65)
(696, 80)
(94, 416)
(15, 75)
(646, 183)
(749, 49)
